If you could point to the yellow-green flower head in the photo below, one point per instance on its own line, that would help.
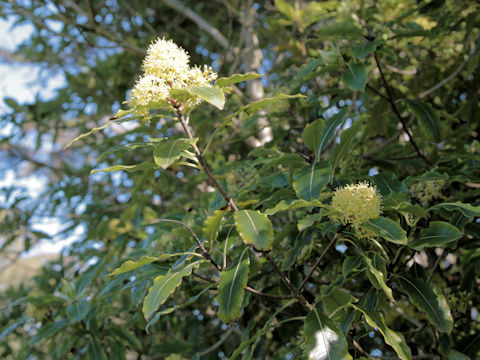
(428, 190)
(356, 204)
(166, 67)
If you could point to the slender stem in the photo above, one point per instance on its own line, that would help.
(204, 251)
(319, 260)
(396, 112)
(204, 165)
(287, 282)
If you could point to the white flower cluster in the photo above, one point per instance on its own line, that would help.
(166, 67)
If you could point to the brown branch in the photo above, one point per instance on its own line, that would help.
(305, 304)
(205, 166)
(319, 260)
(204, 251)
(396, 112)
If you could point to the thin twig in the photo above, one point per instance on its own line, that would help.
(217, 344)
(396, 112)
(204, 251)
(305, 304)
(271, 296)
(204, 164)
(319, 260)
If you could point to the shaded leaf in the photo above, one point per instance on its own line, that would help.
(347, 139)
(466, 209)
(255, 229)
(328, 132)
(211, 226)
(377, 273)
(424, 297)
(95, 351)
(438, 234)
(388, 184)
(168, 151)
(130, 168)
(346, 30)
(231, 289)
(78, 310)
(355, 77)
(47, 331)
(427, 117)
(312, 134)
(311, 180)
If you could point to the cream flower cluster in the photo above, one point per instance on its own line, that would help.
(166, 67)
(428, 190)
(355, 204)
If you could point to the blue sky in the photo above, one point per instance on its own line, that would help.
(23, 82)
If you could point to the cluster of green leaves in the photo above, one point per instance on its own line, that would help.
(385, 92)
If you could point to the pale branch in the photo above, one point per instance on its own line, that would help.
(197, 19)
(451, 76)
(396, 112)
(319, 260)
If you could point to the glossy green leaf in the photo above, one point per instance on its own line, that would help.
(466, 209)
(388, 184)
(130, 265)
(347, 141)
(47, 331)
(427, 117)
(355, 77)
(323, 339)
(255, 229)
(77, 310)
(211, 226)
(310, 181)
(424, 297)
(395, 339)
(438, 234)
(211, 94)
(308, 220)
(236, 78)
(130, 168)
(231, 289)
(455, 355)
(291, 205)
(365, 48)
(377, 273)
(387, 229)
(168, 151)
(163, 286)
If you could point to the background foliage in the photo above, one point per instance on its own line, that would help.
(390, 95)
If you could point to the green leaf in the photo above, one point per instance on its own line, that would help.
(306, 72)
(387, 229)
(377, 274)
(123, 147)
(8, 329)
(455, 355)
(392, 338)
(253, 107)
(312, 134)
(308, 220)
(347, 30)
(211, 94)
(285, 8)
(130, 168)
(466, 209)
(255, 229)
(323, 339)
(94, 130)
(311, 180)
(295, 204)
(424, 297)
(438, 234)
(231, 289)
(95, 351)
(236, 78)
(388, 184)
(427, 117)
(212, 225)
(163, 286)
(78, 310)
(355, 78)
(367, 47)
(47, 331)
(130, 265)
(329, 130)
(168, 151)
